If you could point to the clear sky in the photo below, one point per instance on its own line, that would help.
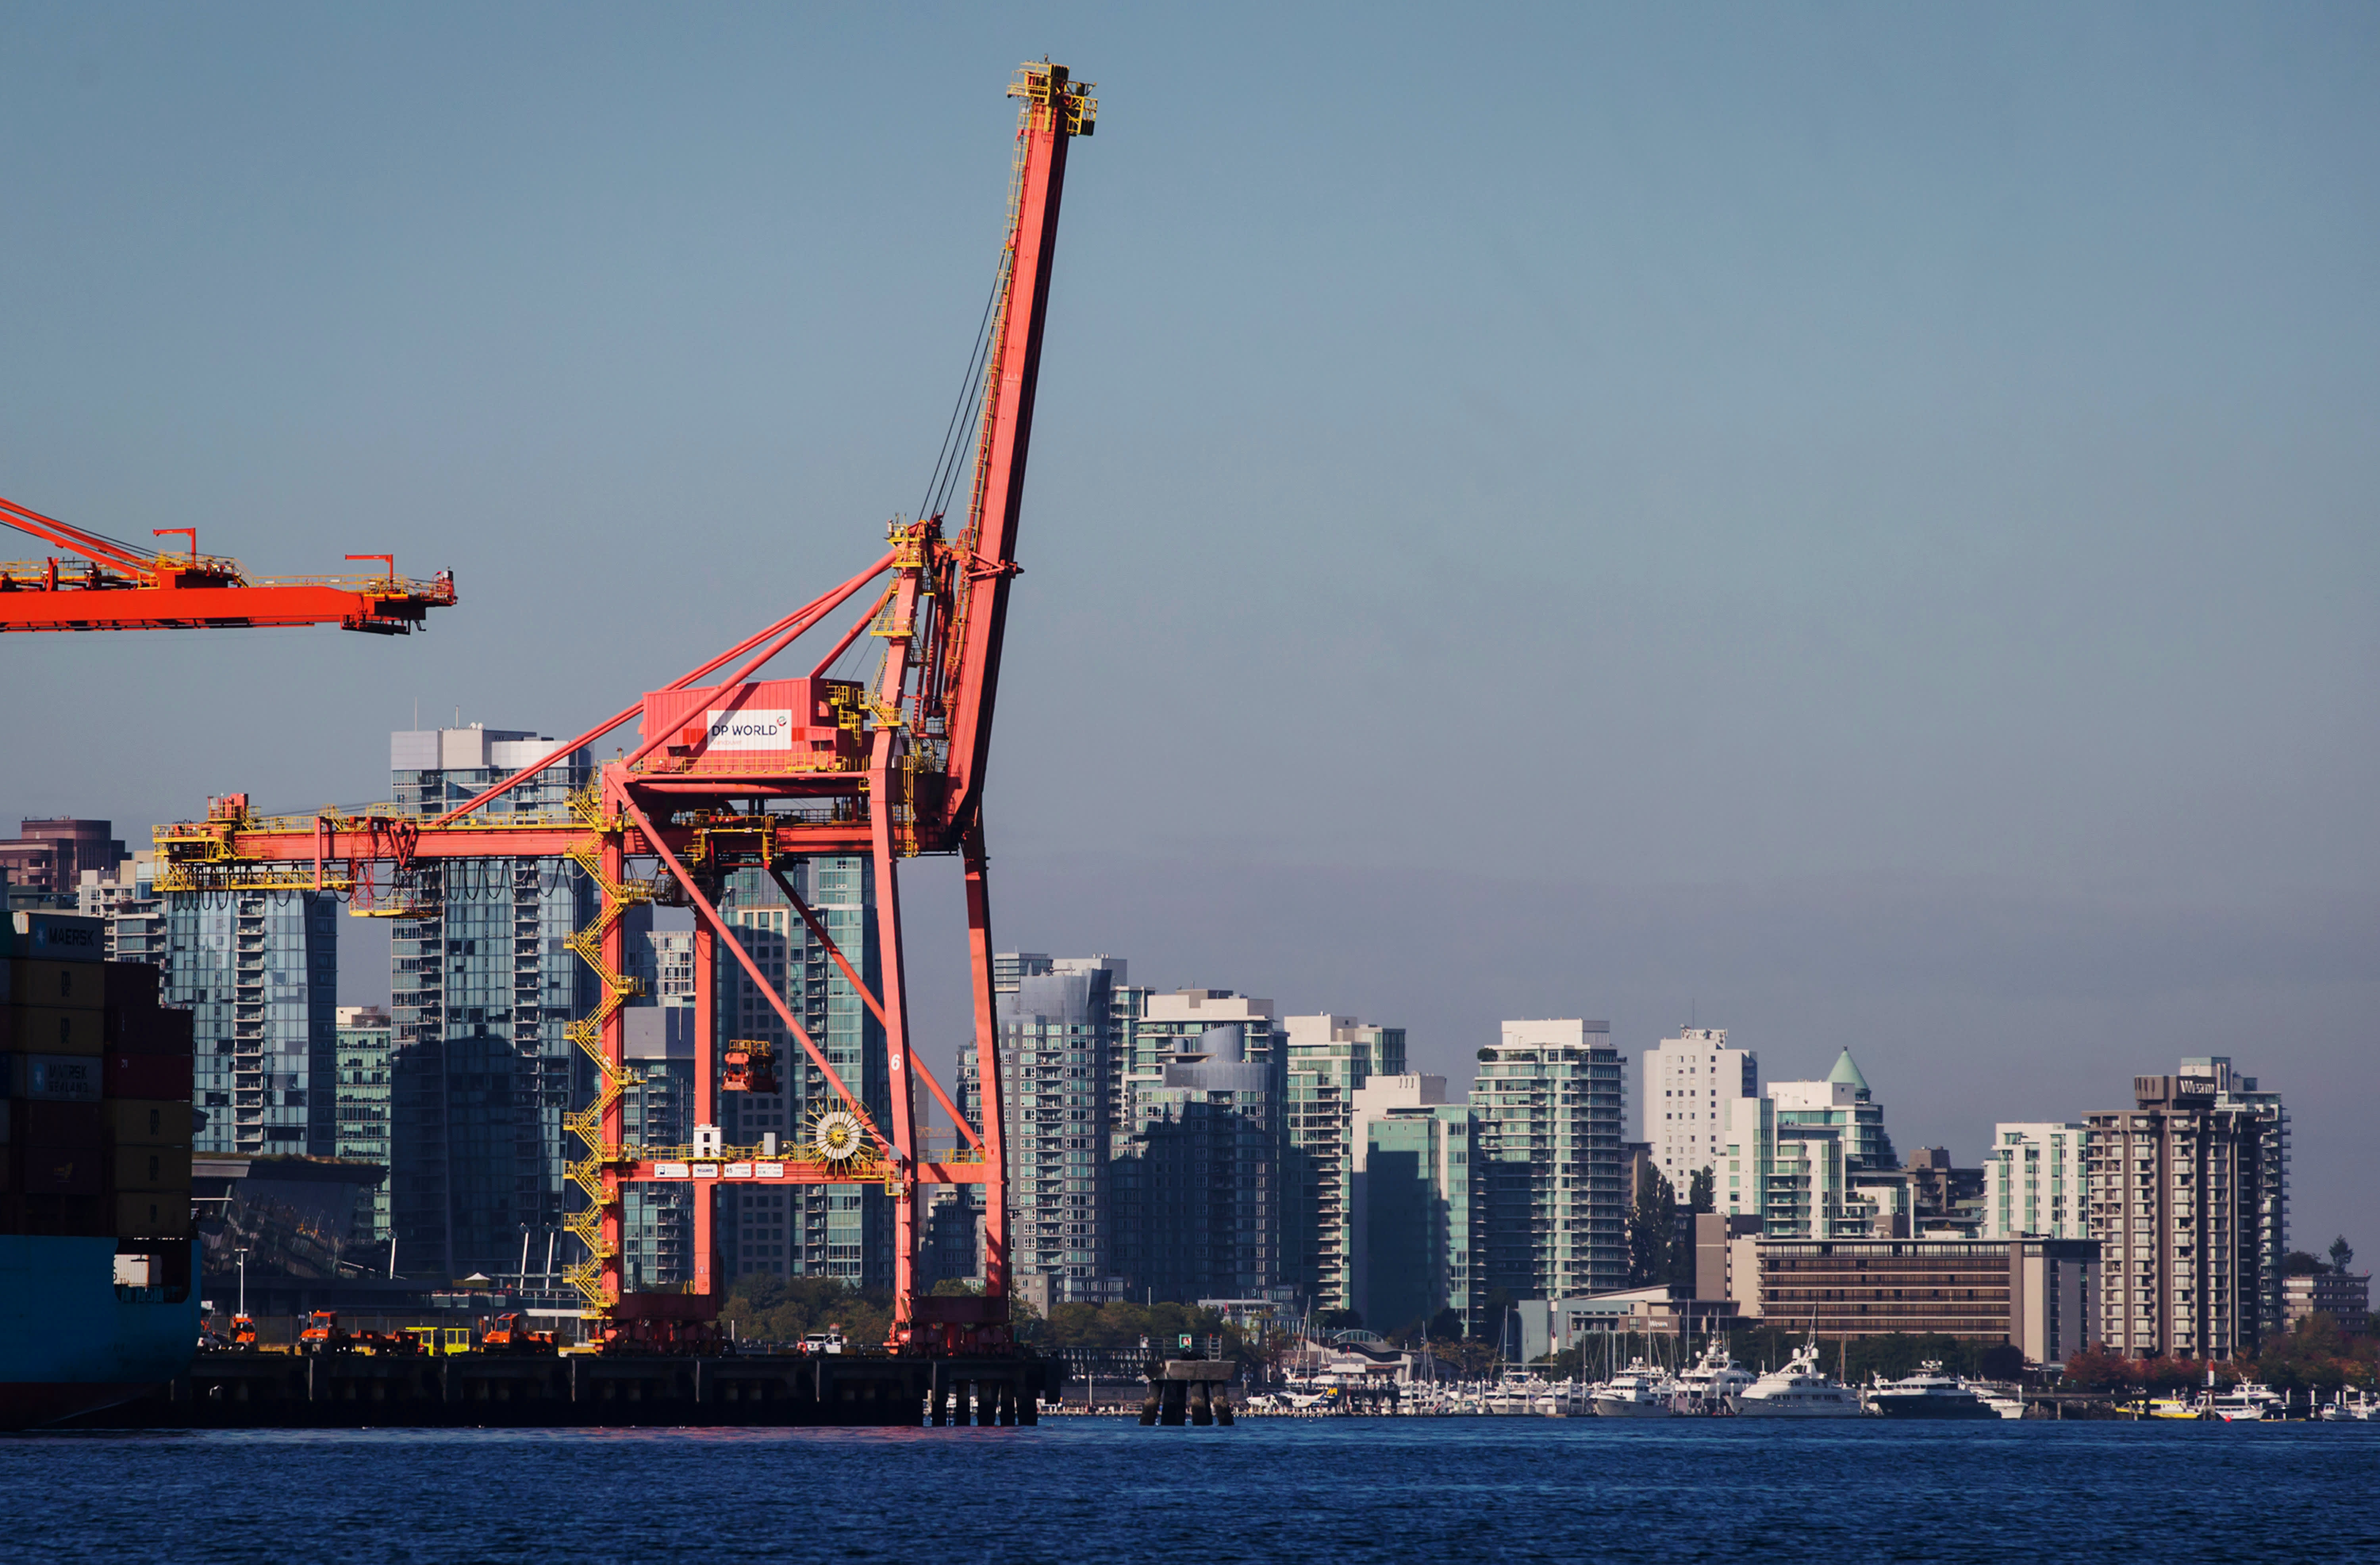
(1852, 524)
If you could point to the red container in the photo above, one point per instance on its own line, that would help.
(39, 1124)
(164, 1076)
(131, 985)
(150, 1030)
(771, 725)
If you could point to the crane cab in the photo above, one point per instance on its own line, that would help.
(747, 1065)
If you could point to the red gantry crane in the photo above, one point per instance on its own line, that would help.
(101, 584)
(735, 771)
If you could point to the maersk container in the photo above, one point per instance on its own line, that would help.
(152, 1214)
(53, 937)
(45, 1029)
(69, 986)
(132, 1121)
(150, 1168)
(57, 1079)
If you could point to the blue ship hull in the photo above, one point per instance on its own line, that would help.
(71, 1340)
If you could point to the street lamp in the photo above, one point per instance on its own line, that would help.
(240, 1255)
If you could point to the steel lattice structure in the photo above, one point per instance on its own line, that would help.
(106, 585)
(739, 773)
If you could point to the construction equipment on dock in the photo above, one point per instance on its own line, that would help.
(733, 771)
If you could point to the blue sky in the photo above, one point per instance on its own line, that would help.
(1853, 523)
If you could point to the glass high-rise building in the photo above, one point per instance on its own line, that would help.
(259, 971)
(812, 1230)
(360, 1105)
(657, 1111)
(1328, 1059)
(1202, 1190)
(1059, 1042)
(1414, 1227)
(1546, 1168)
(481, 987)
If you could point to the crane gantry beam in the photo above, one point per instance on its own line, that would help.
(98, 583)
(749, 773)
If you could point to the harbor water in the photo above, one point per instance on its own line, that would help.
(1461, 1489)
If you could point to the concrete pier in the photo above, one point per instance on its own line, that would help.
(229, 1390)
(1196, 1391)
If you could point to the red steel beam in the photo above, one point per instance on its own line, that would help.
(851, 976)
(202, 608)
(808, 614)
(988, 549)
(721, 930)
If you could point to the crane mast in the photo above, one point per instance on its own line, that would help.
(731, 771)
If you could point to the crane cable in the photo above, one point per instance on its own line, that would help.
(946, 462)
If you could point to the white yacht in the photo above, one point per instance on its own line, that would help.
(1929, 1393)
(2245, 1403)
(1637, 1392)
(1801, 1389)
(1715, 1381)
(2003, 1404)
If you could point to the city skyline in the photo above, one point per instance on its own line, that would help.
(1903, 476)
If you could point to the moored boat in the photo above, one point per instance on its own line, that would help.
(1715, 1381)
(1637, 1392)
(1929, 1393)
(1801, 1389)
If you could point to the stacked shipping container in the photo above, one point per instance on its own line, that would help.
(94, 1090)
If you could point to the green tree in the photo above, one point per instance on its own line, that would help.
(1702, 1191)
(1446, 1326)
(2302, 1263)
(1652, 1227)
(2341, 1255)
(766, 1308)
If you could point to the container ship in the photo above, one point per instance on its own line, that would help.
(97, 1261)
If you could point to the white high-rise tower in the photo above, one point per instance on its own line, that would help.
(1690, 1082)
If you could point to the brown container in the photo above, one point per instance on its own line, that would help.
(156, 1076)
(138, 1121)
(153, 1215)
(56, 1214)
(151, 1167)
(37, 1214)
(58, 1170)
(149, 1030)
(67, 986)
(131, 985)
(42, 1123)
(50, 1029)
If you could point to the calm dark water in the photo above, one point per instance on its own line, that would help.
(1478, 1491)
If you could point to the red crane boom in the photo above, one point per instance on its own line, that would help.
(102, 584)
